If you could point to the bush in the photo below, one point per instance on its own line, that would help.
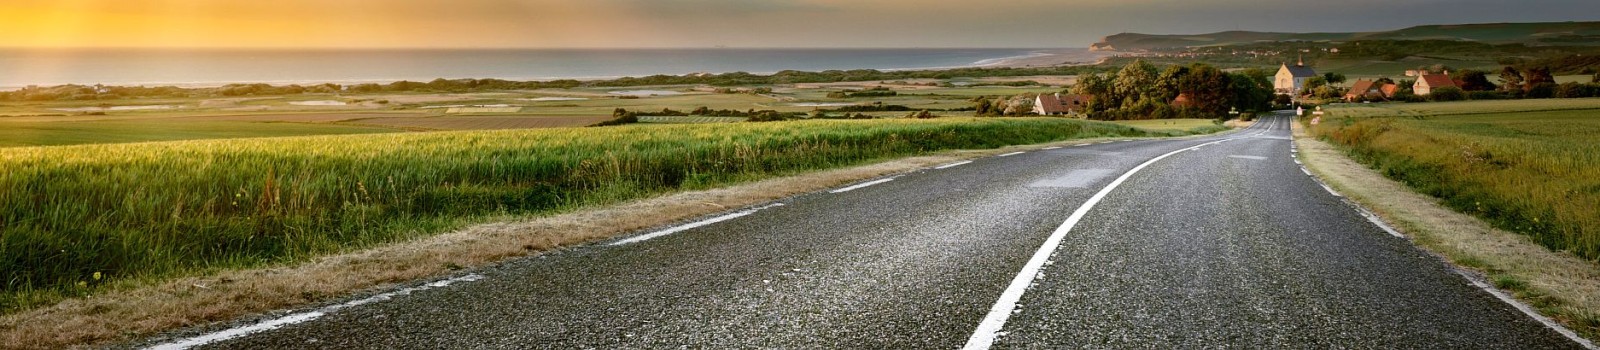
(1577, 90)
(1448, 93)
(1486, 95)
(1541, 90)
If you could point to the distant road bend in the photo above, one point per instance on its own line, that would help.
(1185, 243)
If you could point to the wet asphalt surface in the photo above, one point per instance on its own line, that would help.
(1228, 245)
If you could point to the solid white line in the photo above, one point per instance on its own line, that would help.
(1585, 343)
(1330, 189)
(984, 336)
(861, 185)
(1303, 170)
(1012, 154)
(1052, 147)
(1373, 218)
(648, 236)
(302, 317)
(946, 166)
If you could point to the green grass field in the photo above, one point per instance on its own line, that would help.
(154, 210)
(1535, 172)
(1196, 125)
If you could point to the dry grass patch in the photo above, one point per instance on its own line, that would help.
(1562, 286)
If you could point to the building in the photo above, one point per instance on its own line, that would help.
(1427, 82)
(1182, 101)
(1058, 104)
(1370, 91)
(1291, 80)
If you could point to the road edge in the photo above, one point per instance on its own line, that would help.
(1366, 189)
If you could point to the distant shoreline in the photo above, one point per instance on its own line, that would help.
(1032, 58)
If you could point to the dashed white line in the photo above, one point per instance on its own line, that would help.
(946, 166)
(861, 185)
(983, 337)
(1012, 154)
(302, 317)
(648, 236)
(1052, 147)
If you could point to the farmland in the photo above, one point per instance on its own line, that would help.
(73, 218)
(1529, 166)
(50, 123)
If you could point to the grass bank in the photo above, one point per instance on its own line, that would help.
(1561, 286)
(74, 219)
(1536, 173)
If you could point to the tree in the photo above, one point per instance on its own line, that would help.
(1208, 89)
(1510, 79)
(1536, 77)
(1333, 78)
(1313, 83)
(1473, 80)
(1168, 84)
(1134, 82)
(1098, 87)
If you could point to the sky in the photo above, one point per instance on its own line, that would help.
(709, 23)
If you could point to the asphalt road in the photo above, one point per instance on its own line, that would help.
(1226, 245)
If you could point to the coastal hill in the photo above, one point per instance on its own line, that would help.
(1533, 34)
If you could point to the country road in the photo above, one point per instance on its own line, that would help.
(1222, 241)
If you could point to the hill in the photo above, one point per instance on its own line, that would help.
(1532, 34)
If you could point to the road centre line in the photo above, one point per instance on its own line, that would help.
(303, 316)
(983, 337)
(861, 185)
(648, 236)
(951, 165)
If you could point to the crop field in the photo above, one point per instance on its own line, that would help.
(424, 123)
(690, 120)
(70, 214)
(1533, 172)
(13, 134)
(1173, 124)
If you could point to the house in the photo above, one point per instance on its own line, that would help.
(1290, 80)
(1058, 104)
(1183, 100)
(1370, 90)
(1427, 82)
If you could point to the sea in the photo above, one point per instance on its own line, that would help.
(215, 67)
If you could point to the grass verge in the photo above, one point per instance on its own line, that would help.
(1560, 285)
(131, 228)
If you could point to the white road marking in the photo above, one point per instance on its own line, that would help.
(1303, 170)
(1585, 343)
(303, 317)
(1012, 154)
(1247, 157)
(1052, 147)
(648, 236)
(947, 166)
(861, 185)
(988, 330)
(1330, 189)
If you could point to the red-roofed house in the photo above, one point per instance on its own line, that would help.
(1427, 82)
(1058, 104)
(1370, 90)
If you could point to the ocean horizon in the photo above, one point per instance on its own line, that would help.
(215, 67)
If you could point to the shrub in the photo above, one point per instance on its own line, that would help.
(1448, 93)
